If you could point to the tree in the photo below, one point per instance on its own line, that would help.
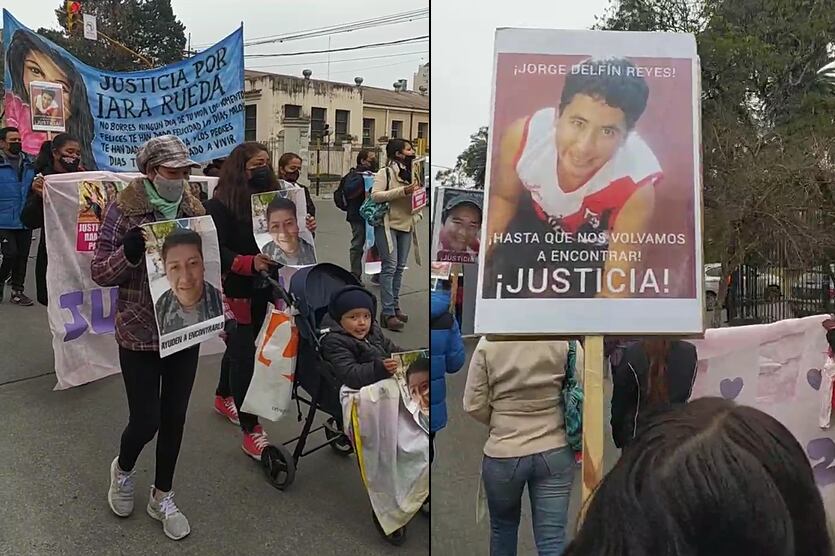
(148, 27)
(471, 163)
(767, 122)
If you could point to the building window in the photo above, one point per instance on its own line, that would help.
(292, 111)
(317, 124)
(423, 130)
(343, 118)
(250, 122)
(368, 138)
(396, 129)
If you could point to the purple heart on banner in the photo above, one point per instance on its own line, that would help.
(730, 389)
(813, 377)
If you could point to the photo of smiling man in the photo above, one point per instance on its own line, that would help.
(275, 223)
(458, 226)
(191, 300)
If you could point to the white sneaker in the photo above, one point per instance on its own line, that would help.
(174, 523)
(120, 495)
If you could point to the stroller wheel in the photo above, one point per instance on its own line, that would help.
(279, 466)
(397, 538)
(338, 441)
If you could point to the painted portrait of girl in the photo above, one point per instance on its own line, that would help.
(30, 58)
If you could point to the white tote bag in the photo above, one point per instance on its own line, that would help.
(277, 347)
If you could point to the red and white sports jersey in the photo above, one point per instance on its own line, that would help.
(633, 166)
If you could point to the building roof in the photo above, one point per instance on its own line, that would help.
(408, 100)
(394, 99)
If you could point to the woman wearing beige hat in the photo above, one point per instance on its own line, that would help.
(158, 390)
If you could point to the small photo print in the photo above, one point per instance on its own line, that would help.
(47, 106)
(280, 227)
(183, 261)
(412, 376)
(93, 198)
(457, 225)
(199, 189)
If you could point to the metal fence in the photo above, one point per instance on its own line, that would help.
(766, 292)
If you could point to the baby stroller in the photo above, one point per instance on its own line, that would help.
(315, 385)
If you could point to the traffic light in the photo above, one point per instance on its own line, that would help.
(73, 14)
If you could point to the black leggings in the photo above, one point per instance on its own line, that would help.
(241, 352)
(224, 388)
(152, 409)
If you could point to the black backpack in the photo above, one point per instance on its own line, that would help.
(340, 199)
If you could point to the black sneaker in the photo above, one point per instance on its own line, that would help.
(19, 298)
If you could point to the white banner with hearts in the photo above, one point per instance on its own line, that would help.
(777, 369)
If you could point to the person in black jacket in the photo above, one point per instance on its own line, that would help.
(60, 156)
(355, 197)
(650, 377)
(355, 344)
(245, 172)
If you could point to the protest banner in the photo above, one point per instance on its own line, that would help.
(456, 225)
(81, 313)
(183, 261)
(412, 377)
(47, 106)
(200, 100)
(419, 197)
(593, 194)
(279, 225)
(371, 261)
(777, 369)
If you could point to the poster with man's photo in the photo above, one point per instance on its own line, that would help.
(592, 210)
(412, 376)
(279, 225)
(47, 106)
(93, 198)
(456, 225)
(183, 260)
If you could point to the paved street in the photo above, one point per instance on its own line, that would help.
(57, 447)
(455, 476)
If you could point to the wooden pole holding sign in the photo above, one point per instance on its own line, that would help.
(593, 425)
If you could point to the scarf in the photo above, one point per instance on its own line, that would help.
(168, 209)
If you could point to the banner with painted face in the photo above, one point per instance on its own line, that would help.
(81, 313)
(200, 99)
(779, 369)
(593, 192)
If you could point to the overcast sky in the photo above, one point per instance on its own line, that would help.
(208, 21)
(462, 61)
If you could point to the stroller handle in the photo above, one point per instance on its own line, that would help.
(280, 291)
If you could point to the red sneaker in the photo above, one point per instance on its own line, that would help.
(255, 442)
(226, 407)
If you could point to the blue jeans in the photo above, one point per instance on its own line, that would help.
(549, 476)
(392, 262)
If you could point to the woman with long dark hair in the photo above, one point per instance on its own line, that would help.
(652, 375)
(30, 58)
(709, 478)
(245, 172)
(60, 156)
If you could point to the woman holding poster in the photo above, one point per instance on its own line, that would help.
(62, 155)
(158, 389)
(246, 172)
(395, 185)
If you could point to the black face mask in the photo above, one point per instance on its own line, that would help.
(292, 177)
(70, 164)
(373, 165)
(15, 148)
(406, 168)
(259, 178)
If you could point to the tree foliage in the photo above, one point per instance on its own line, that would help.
(471, 164)
(767, 122)
(148, 27)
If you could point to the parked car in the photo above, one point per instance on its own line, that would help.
(713, 281)
(813, 292)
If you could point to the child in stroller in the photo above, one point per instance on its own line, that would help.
(354, 343)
